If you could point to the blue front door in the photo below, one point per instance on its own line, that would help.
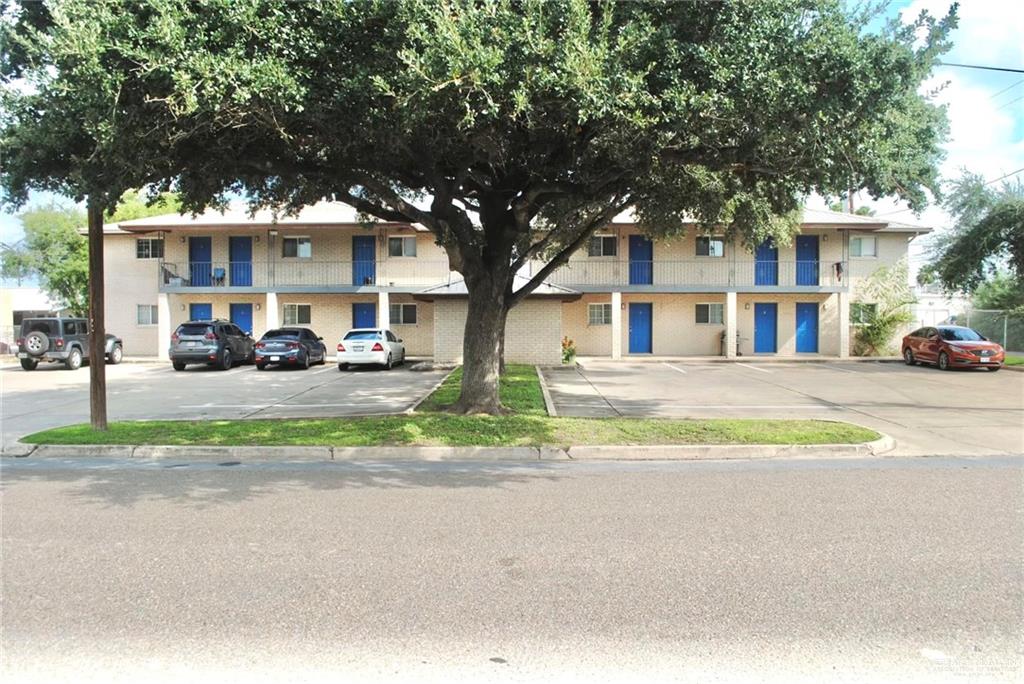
(641, 260)
(640, 328)
(241, 315)
(806, 259)
(764, 328)
(364, 260)
(200, 258)
(364, 315)
(807, 327)
(200, 312)
(240, 256)
(766, 267)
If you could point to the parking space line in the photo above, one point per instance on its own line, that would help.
(760, 370)
(678, 370)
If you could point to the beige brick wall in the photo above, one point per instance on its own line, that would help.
(591, 340)
(828, 321)
(418, 338)
(674, 329)
(129, 282)
(179, 305)
(532, 334)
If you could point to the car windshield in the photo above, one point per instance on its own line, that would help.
(960, 335)
(281, 335)
(193, 329)
(45, 327)
(363, 335)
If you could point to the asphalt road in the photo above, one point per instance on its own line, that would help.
(927, 411)
(51, 396)
(791, 571)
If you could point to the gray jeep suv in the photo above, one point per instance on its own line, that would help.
(64, 340)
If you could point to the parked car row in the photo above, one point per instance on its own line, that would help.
(222, 344)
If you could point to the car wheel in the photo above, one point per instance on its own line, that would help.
(29, 364)
(305, 362)
(994, 368)
(225, 360)
(387, 364)
(178, 366)
(342, 366)
(908, 357)
(74, 360)
(116, 355)
(943, 361)
(261, 366)
(36, 343)
(252, 357)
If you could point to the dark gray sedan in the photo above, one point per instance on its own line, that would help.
(296, 347)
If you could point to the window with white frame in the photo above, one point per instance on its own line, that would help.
(861, 313)
(298, 314)
(599, 314)
(403, 314)
(402, 246)
(863, 247)
(149, 248)
(146, 314)
(710, 246)
(297, 247)
(603, 246)
(711, 314)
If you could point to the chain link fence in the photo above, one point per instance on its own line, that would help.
(1004, 327)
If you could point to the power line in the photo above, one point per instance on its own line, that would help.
(1012, 173)
(978, 66)
(1007, 88)
(1010, 103)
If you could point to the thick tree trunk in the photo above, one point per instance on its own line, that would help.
(97, 325)
(482, 348)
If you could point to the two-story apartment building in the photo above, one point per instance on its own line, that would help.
(624, 295)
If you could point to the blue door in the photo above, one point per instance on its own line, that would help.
(765, 316)
(240, 256)
(200, 312)
(641, 260)
(241, 315)
(766, 267)
(364, 260)
(806, 259)
(364, 315)
(640, 328)
(807, 328)
(200, 261)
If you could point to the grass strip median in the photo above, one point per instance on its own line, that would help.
(527, 424)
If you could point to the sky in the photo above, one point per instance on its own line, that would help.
(985, 108)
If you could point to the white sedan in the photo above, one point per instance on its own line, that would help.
(370, 346)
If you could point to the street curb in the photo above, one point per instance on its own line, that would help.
(549, 404)
(412, 409)
(669, 452)
(696, 452)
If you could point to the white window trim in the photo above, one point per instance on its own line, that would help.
(297, 237)
(864, 237)
(709, 305)
(403, 255)
(402, 322)
(858, 324)
(284, 308)
(602, 305)
(610, 257)
(150, 240)
(147, 325)
(720, 238)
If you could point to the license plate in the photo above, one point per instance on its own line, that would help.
(191, 344)
(275, 358)
(984, 359)
(357, 348)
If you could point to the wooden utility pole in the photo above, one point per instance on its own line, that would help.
(97, 325)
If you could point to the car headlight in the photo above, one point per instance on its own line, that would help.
(959, 350)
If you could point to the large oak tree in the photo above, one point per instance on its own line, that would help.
(513, 130)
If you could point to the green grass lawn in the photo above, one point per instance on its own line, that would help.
(527, 425)
(1014, 360)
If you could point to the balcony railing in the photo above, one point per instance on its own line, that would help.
(305, 272)
(585, 273)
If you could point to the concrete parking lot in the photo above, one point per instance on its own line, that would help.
(927, 411)
(50, 396)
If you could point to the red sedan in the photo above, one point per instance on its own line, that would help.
(952, 346)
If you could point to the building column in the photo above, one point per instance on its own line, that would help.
(272, 313)
(616, 325)
(730, 325)
(383, 310)
(843, 299)
(163, 326)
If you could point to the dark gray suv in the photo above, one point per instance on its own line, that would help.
(63, 340)
(216, 343)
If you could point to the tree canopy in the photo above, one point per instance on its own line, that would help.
(510, 129)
